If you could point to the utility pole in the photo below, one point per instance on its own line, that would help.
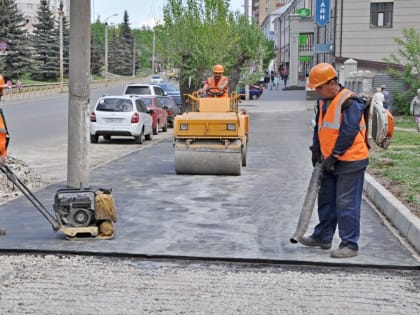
(79, 94)
(106, 46)
(246, 12)
(153, 52)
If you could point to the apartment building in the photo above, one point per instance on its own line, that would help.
(29, 9)
(361, 30)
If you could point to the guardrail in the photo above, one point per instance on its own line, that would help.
(33, 90)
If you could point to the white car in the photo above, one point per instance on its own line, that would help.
(143, 89)
(120, 116)
(156, 78)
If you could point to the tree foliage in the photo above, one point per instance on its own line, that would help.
(16, 62)
(45, 42)
(197, 34)
(408, 56)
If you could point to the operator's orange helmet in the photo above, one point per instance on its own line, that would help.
(320, 74)
(218, 69)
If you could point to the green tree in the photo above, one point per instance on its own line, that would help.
(121, 57)
(16, 62)
(407, 56)
(45, 42)
(144, 44)
(200, 33)
(97, 47)
(66, 39)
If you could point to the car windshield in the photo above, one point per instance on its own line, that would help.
(167, 87)
(138, 90)
(114, 105)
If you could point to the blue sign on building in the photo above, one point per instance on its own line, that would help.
(322, 12)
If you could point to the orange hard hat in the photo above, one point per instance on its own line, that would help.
(218, 69)
(320, 74)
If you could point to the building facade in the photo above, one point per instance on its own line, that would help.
(361, 30)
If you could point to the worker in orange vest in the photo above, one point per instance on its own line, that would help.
(2, 86)
(217, 85)
(4, 138)
(339, 144)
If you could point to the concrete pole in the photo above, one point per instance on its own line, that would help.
(79, 93)
(246, 10)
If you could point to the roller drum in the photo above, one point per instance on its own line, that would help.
(209, 159)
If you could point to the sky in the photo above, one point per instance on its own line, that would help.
(140, 12)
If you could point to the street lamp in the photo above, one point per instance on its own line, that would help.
(106, 45)
(60, 14)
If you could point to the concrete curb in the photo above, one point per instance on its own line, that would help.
(402, 218)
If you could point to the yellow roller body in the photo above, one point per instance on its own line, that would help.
(212, 138)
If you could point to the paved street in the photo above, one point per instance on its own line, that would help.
(244, 218)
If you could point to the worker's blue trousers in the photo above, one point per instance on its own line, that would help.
(339, 202)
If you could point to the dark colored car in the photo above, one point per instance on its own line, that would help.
(170, 90)
(157, 111)
(255, 91)
(171, 108)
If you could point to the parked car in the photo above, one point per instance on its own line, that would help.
(156, 78)
(143, 89)
(255, 91)
(121, 116)
(172, 109)
(158, 112)
(171, 91)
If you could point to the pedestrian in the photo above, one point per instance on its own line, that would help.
(387, 96)
(276, 80)
(271, 79)
(339, 144)
(285, 75)
(378, 98)
(9, 84)
(2, 86)
(415, 109)
(19, 85)
(217, 85)
(266, 79)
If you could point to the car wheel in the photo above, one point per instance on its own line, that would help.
(140, 138)
(149, 136)
(254, 96)
(165, 128)
(94, 139)
(107, 137)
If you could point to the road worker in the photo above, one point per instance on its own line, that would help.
(217, 85)
(339, 144)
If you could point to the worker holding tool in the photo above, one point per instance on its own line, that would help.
(217, 85)
(339, 144)
(4, 139)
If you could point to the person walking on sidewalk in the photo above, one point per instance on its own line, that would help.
(415, 109)
(339, 144)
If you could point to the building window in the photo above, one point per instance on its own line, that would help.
(381, 14)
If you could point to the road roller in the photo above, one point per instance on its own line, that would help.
(211, 136)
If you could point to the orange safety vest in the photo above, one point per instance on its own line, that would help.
(2, 85)
(3, 135)
(223, 84)
(329, 126)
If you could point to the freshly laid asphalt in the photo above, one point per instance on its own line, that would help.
(249, 217)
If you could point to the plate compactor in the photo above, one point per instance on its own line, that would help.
(78, 213)
(212, 137)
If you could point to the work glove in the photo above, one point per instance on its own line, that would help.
(316, 155)
(329, 164)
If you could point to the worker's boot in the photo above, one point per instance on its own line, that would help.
(344, 252)
(310, 241)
